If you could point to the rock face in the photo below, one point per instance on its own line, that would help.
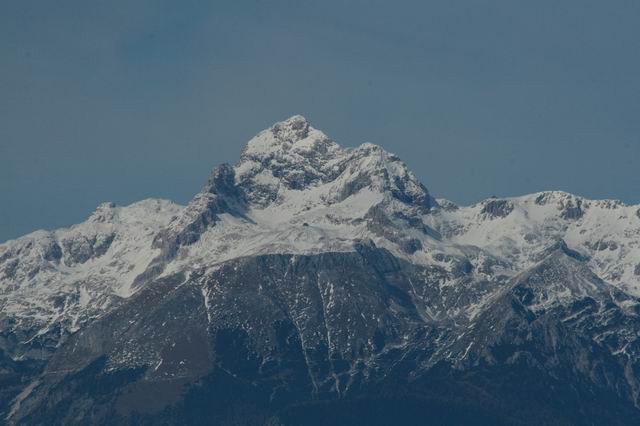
(313, 284)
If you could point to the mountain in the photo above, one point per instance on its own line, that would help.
(315, 284)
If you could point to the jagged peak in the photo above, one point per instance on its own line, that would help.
(293, 134)
(221, 181)
(290, 157)
(295, 156)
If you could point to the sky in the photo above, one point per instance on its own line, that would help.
(121, 101)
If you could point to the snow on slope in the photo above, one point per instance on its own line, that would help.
(306, 194)
(53, 281)
(296, 191)
(519, 229)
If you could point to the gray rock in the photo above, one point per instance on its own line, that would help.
(497, 208)
(287, 330)
(572, 210)
(80, 248)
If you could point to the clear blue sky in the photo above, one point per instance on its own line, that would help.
(124, 100)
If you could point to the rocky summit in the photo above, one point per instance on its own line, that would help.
(316, 284)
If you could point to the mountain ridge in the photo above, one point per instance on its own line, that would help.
(344, 254)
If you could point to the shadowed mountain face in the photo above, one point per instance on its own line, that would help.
(312, 284)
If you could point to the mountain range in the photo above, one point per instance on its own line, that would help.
(316, 284)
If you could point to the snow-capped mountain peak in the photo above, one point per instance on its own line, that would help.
(293, 156)
(290, 153)
(292, 176)
(344, 246)
(295, 190)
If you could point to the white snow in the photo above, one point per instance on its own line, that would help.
(320, 198)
